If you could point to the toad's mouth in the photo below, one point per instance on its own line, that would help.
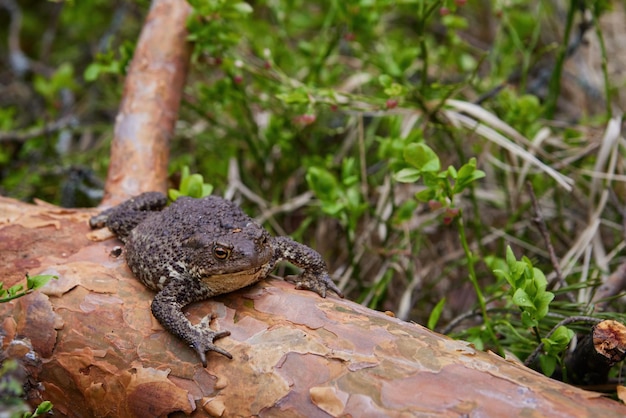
(228, 282)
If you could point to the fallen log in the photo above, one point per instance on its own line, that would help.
(91, 341)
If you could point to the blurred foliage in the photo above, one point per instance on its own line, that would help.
(12, 402)
(12, 377)
(357, 106)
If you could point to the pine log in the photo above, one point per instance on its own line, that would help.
(149, 109)
(91, 341)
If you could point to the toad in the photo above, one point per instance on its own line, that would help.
(195, 249)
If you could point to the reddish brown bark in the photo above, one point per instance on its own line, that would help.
(92, 342)
(149, 108)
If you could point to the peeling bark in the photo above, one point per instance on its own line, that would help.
(93, 343)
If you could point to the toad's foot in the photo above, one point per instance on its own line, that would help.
(318, 284)
(166, 308)
(203, 340)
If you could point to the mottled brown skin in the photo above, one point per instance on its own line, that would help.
(199, 248)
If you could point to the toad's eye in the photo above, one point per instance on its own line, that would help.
(220, 252)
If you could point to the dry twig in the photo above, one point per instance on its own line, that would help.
(543, 230)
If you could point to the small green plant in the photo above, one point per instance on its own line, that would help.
(442, 187)
(528, 292)
(32, 283)
(340, 197)
(108, 63)
(192, 185)
(528, 287)
(553, 349)
(212, 25)
(49, 88)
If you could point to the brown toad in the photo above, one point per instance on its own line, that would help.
(198, 248)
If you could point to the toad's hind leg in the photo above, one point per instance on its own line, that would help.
(123, 218)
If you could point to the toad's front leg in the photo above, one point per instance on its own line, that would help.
(314, 274)
(167, 309)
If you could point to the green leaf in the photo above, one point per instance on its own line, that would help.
(542, 304)
(496, 264)
(467, 175)
(62, 78)
(395, 90)
(43, 87)
(558, 342)
(517, 269)
(332, 208)
(407, 175)
(452, 173)
(521, 299)
(353, 198)
(323, 183)
(562, 335)
(349, 174)
(15, 289)
(405, 211)
(510, 257)
(528, 320)
(192, 185)
(185, 172)
(242, 8)
(540, 279)
(298, 96)
(173, 194)
(435, 181)
(92, 71)
(503, 274)
(385, 81)
(207, 189)
(433, 318)
(422, 157)
(425, 195)
(36, 282)
(548, 364)
(43, 408)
